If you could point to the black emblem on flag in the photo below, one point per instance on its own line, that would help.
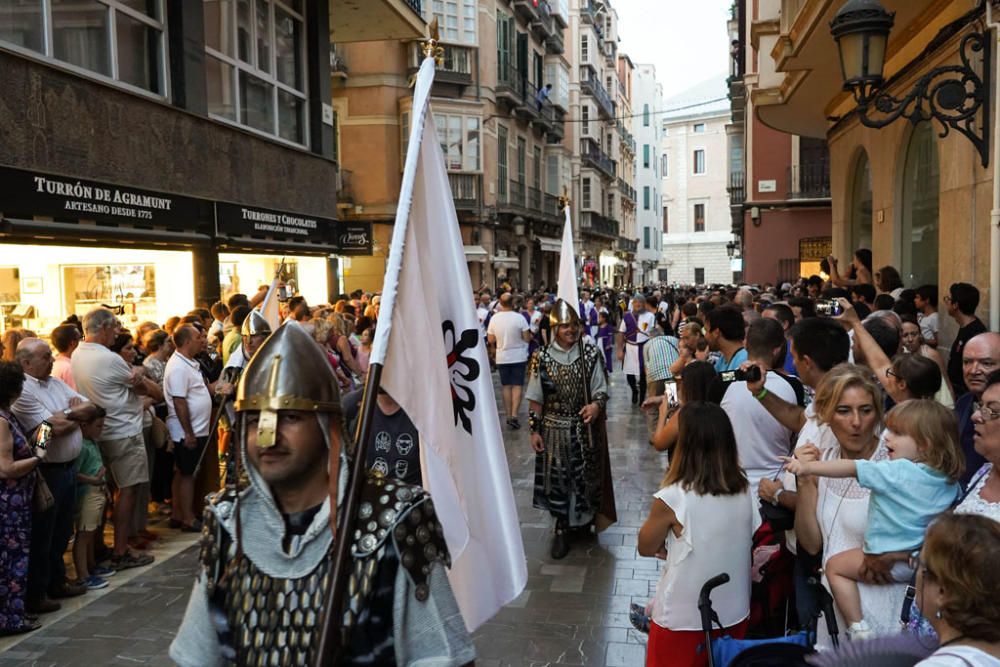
(464, 370)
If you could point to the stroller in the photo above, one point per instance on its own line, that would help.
(790, 650)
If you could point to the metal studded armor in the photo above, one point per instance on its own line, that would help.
(269, 621)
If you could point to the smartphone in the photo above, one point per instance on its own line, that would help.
(671, 394)
(751, 374)
(42, 435)
(829, 308)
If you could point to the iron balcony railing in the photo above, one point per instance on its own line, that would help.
(809, 181)
(465, 190)
(510, 82)
(626, 244)
(595, 89)
(627, 190)
(517, 194)
(737, 188)
(527, 8)
(591, 153)
(597, 224)
(543, 23)
(415, 6)
(456, 65)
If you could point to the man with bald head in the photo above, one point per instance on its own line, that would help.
(49, 399)
(980, 357)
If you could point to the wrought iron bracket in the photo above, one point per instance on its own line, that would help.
(952, 95)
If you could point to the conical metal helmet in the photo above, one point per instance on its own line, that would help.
(255, 325)
(288, 372)
(563, 313)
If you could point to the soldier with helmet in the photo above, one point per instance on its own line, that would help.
(567, 395)
(267, 552)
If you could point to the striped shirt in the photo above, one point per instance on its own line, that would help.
(660, 353)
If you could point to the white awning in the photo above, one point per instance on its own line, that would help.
(549, 245)
(510, 262)
(475, 253)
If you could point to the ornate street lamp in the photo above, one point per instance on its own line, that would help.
(950, 94)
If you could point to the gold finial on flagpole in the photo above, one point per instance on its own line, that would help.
(431, 45)
(564, 199)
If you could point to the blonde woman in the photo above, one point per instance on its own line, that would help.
(832, 514)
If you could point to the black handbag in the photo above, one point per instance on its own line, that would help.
(780, 518)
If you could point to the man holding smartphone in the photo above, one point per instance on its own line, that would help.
(54, 412)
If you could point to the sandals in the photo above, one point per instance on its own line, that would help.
(27, 625)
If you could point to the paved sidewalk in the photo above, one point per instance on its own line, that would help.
(574, 611)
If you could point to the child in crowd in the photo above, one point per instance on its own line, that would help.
(916, 483)
(90, 499)
(605, 337)
(365, 348)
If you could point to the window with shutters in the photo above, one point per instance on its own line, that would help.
(645, 197)
(585, 192)
(584, 48)
(645, 156)
(699, 161)
(645, 115)
(645, 238)
(502, 164)
(699, 217)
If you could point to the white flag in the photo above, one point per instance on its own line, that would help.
(567, 266)
(269, 306)
(435, 366)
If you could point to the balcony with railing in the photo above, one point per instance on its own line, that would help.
(628, 192)
(542, 25)
(809, 181)
(626, 244)
(737, 188)
(527, 9)
(529, 106)
(465, 191)
(556, 130)
(596, 224)
(510, 83)
(593, 87)
(627, 140)
(522, 199)
(588, 14)
(456, 66)
(554, 43)
(592, 155)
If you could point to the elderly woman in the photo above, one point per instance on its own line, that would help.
(958, 590)
(983, 495)
(17, 483)
(832, 514)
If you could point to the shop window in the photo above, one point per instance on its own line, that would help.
(255, 68)
(10, 286)
(459, 137)
(81, 36)
(919, 223)
(861, 204)
(128, 288)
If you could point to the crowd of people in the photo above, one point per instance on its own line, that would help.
(820, 424)
(102, 424)
(817, 430)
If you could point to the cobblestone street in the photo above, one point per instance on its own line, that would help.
(573, 611)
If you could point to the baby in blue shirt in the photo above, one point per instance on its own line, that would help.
(916, 483)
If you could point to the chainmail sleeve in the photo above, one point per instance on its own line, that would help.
(598, 376)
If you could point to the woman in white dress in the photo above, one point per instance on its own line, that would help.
(958, 590)
(832, 514)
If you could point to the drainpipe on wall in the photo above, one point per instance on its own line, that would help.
(995, 213)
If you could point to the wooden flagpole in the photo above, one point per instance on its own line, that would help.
(331, 641)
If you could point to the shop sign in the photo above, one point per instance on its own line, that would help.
(354, 238)
(27, 194)
(241, 220)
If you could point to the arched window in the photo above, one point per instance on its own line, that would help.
(861, 204)
(919, 227)
(645, 115)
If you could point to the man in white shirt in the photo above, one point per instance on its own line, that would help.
(104, 378)
(49, 399)
(189, 417)
(760, 438)
(508, 334)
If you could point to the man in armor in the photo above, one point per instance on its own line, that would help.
(567, 394)
(267, 553)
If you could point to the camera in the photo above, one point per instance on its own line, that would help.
(751, 374)
(829, 308)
